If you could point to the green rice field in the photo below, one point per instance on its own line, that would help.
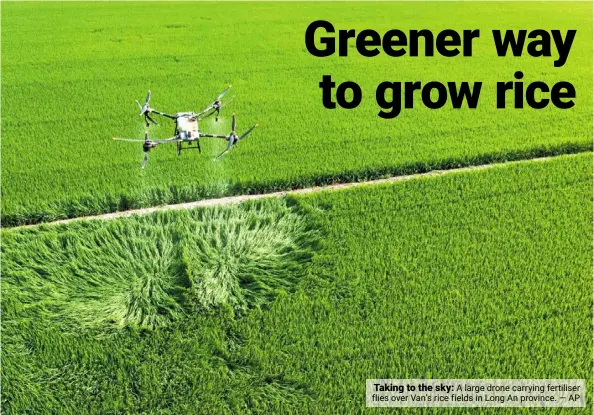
(287, 306)
(71, 72)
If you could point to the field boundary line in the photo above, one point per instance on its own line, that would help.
(237, 199)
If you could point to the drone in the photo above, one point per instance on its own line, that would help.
(186, 127)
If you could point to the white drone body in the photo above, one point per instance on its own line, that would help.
(186, 125)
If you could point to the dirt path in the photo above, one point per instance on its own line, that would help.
(242, 198)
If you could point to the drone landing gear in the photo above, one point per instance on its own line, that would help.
(180, 147)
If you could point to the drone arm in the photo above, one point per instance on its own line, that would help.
(134, 140)
(173, 117)
(214, 136)
(168, 140)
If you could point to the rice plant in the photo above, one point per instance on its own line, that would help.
(125, 273)
(129, 275)
(137, 273)
(242, 257)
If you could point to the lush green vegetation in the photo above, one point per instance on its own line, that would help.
(71, 73)
(483, 274)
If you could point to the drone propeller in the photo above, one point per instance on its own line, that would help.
(216, 105)
(146, 109)
(216, 110)
(147, 145)
(233, 138)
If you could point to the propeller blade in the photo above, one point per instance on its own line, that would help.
(206, 116)
(233, 123)
(128, 139)
(139, 106)
(244, 135)
(226, 102)
(148, 97)
(222, 94)
(227, 149)
(145, 159)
